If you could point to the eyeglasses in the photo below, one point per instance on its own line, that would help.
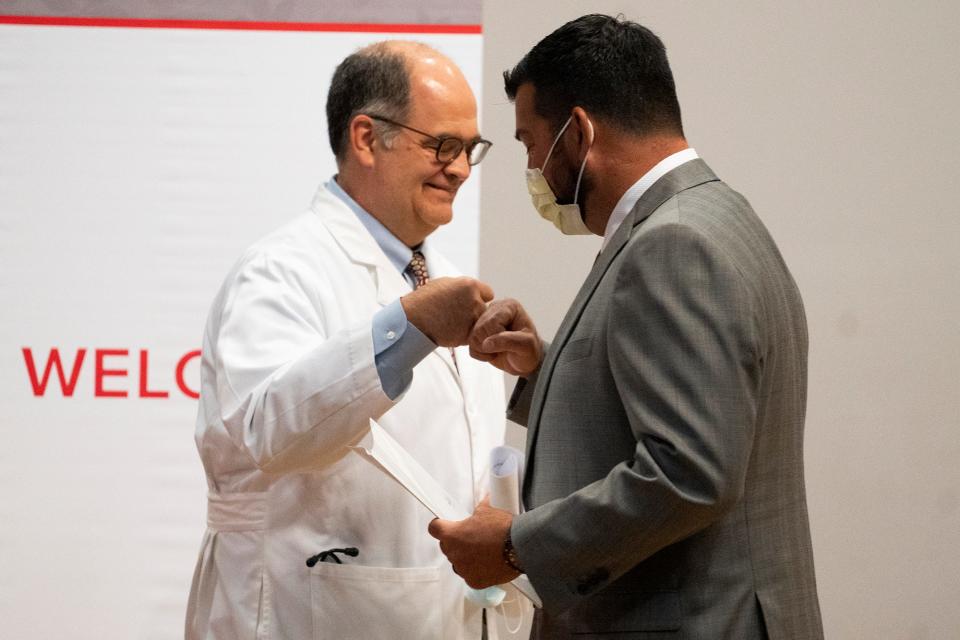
(448, 148)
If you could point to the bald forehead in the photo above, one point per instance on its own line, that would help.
(414, 53)
(424, 63)
(436, 80)
(440, 96)
(432, 67)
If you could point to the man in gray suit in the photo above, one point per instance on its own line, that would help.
(664, 482)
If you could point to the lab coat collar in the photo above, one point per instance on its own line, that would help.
(359, 246)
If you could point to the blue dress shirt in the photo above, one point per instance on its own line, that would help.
(397, 345)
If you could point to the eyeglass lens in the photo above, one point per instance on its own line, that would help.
(450, 148)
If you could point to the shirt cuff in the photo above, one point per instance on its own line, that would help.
(398, 347)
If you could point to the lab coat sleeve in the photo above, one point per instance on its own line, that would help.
(292, 393)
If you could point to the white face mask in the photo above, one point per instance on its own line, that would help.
(565, 217)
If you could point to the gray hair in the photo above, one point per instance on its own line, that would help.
(373, 80)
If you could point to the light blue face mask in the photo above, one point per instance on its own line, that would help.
(494, 598)
(489, 597)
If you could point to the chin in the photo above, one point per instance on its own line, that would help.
(436, 216)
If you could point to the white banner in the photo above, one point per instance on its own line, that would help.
(135, 165)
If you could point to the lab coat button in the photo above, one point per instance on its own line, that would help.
(391, 335)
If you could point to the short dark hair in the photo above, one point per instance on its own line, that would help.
(611, 67)
(373, 80)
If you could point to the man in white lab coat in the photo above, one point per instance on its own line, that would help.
(341, 316)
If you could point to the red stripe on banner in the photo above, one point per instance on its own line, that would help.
(147, 23)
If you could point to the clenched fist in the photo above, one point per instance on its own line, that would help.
(505, 337)
(445, 309)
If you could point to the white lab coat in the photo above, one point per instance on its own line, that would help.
(288, 381)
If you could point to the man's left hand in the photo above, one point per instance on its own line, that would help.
(504, 336)
(475, 546)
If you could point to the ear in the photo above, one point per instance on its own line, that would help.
(586, 133)
(363, 140)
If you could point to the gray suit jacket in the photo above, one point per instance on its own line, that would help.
(664, 480)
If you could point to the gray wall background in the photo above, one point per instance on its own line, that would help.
(838, 121)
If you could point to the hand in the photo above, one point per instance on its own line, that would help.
(445, 309)
(475, 546)
(505, 337)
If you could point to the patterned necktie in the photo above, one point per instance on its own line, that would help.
(418, 269)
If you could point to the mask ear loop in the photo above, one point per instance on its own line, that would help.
(506, 619)
(576, 191)
(555, 141)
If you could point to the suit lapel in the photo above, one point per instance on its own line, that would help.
(686, 176)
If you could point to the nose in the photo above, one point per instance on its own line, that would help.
(458, 168)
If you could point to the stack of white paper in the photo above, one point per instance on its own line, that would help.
(506, 479)
(506, 474)
(379, 448)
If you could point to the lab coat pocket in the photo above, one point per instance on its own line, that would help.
(353, 601)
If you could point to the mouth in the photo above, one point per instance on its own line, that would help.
(450, 192)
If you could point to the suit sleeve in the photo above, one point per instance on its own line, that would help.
(681, 340)
(518, 407)
(292, 393)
